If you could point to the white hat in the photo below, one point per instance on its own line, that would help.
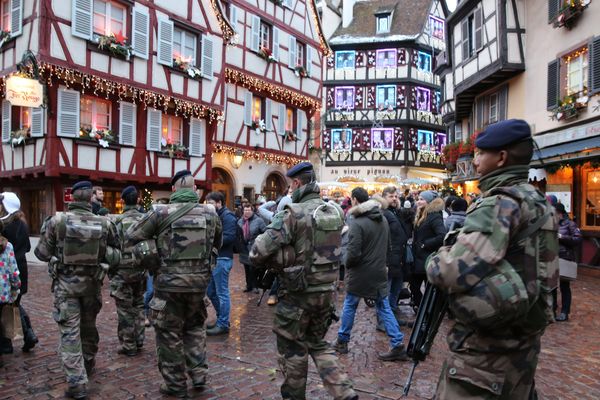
(407, 204)
(11, 202)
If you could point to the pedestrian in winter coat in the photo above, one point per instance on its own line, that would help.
(428, 236)
(252, 225)
(569, 237)
(458, 213)
(16, 231)
(366, 273)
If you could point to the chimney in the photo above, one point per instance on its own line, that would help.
(347, 12)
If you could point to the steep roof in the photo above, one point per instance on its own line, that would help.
(408, 20)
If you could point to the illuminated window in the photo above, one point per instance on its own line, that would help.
(290, 119)
(344, 97)
(386, 58)
(5, 15)
(386, 96)
(95, 113)
(109, 17)
(25, 120)
(265, 35)
(184, 46)
(436, 27)
(257, 108)
(172, 128)
(344, 59)
(577, 72)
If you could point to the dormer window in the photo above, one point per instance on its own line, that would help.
(383, 22)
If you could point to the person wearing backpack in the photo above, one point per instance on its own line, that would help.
(128, 282)
(499, 271)
(77, 243)
(306, 237)
(176, 241)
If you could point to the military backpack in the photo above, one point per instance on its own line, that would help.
(82, 238)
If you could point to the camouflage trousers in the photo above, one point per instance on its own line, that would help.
(76, 318)
(178, 320)
(301, 322)
(474, 375)
(129, 299)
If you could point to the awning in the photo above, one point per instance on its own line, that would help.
(419, 173)
(567, 148)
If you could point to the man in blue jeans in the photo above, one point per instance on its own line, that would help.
(218, 288)
(366, 273)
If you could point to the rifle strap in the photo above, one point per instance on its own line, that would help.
(532, 227)
(187, 207)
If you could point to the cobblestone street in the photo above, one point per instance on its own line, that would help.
(243, 364)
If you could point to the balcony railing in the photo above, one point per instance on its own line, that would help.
(370, 115)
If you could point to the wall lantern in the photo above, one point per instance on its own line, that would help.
(236, 159)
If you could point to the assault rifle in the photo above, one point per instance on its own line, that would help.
(431, 312)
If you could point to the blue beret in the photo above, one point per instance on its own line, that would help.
(179, 175)
(81, 185)
(299, 169)
(502, 134)
(128, 190)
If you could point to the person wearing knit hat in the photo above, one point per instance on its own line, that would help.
(428, 195)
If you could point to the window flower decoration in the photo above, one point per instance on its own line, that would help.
(259, 126)
(103, 136)
(569, 13)
(267, 54)
(18, 137)
(301, 71)
(116, 44)
(568, 108)
(173, 150)
(5, 37)
(290, 136)
(185, 64)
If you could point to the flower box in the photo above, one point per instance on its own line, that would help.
(290, 136)
(184, 65)
(103, 137)
(115, 44)
(19, 137)
(259, 126)
(568, 108)
(174, 150)
(301, 72)
(5, 37)
(569, 13)
(266, 54)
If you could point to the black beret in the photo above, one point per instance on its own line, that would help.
(502, 134)
(298, 169)
(128, 190)
(81, 185)
(179, 175)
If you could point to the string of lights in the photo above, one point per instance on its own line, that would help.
(255, 155)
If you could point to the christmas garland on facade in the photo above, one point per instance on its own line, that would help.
(254, 155)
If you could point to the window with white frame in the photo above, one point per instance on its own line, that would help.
(493, 101)
(184, 46)
(383, 22)
(386, 96)
(109, 18)
(577, 72)
(5, 15)
(95, 113)
(265, 35)
(386, 58)
(25, 118)
(290, 119)
(344, 97)
(300, 49)
(172, 129)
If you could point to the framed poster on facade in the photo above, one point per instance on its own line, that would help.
(341, 140)
(423, 97)
(382, 139)
(425, 140)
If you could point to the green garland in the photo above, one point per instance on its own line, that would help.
(554, 168)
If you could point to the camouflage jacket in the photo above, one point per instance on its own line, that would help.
(185, 262)
(75, 280)
(486, 239)
(293, 226)
(126, 272)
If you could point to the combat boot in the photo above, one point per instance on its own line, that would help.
(89, 367)
(199, 383)
(164, 389)
(340, 347)
(127, 352)
(397, 353)
(76, 392)
(29, 340)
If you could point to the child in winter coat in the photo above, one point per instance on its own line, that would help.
(9, 277)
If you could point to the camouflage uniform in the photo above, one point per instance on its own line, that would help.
(498, 363)
(76, 283)
(127, 287)
(177, 309)
(302, 317)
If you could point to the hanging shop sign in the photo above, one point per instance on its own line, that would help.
(25, 92)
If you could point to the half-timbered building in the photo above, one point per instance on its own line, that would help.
(133, 90)
(273, 90)
(382, 98)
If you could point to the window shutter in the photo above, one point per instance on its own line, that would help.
(480, 109)
(127, 123)
(207, 57)
(292, 53)
(553, 84)
(299, 122)
(255, 42)
(68, 113)
(197, 135)
(37, 121)
(478, 28)
(309, 60)
(153, 130)
(594, 66)
(281, 120)
(553, 6)
(465, 39)
(276, 44)
(248, 108)
(165, 42)
(16, 17)
(269, 114)
(502, 99)
(6, 123)
(233, 17)
(81, 20)
(141, 29)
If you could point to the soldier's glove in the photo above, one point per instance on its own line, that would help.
(451, 237)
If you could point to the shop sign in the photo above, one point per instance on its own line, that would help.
(569, 134)
(24, 92)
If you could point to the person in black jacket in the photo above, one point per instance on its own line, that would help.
(16, 231)
(429, 232)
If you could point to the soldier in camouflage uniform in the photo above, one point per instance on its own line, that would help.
(185, 232)
(499, 274)
(128, 282)
(303, 315)
(76, 243)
